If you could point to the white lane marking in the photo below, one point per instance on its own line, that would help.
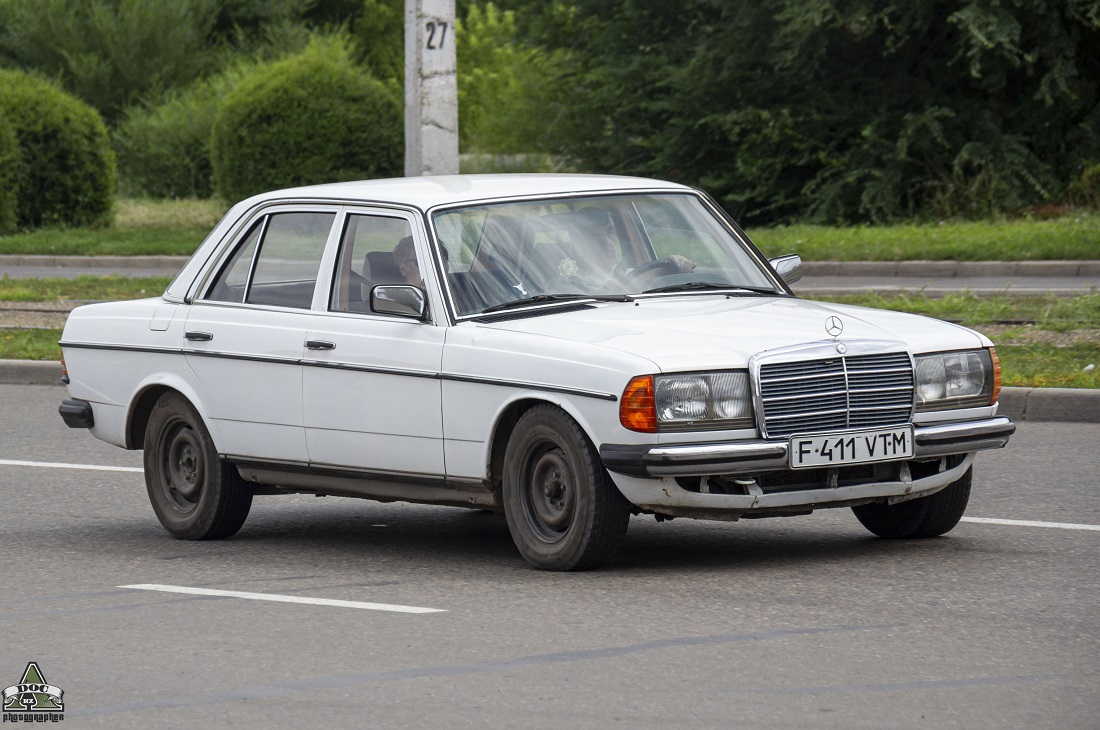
(1030, 523)
(283, 599)
(56, 465)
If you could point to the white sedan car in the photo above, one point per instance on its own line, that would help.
(566, 349)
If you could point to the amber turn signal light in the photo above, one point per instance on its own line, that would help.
(637, 411)
(996, 375)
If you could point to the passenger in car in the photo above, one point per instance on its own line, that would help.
(404, 255)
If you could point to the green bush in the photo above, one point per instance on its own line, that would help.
(308, 119)
(1085, 190)
(9, 169)
(67, 172)
(163, 147)
(164, 151)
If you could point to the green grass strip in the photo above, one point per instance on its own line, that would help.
(33, 344)
(177, 227)
(1060, 314)
(105, 242)
(82, 288)
(1075, 237)
(1040, 365)
(1033, 365)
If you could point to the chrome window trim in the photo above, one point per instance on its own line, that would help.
(260, 236)
(229, 241)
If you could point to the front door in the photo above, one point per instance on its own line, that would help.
(371, 394)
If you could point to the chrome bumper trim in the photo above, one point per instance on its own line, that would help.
(664, 496)
(749, 457)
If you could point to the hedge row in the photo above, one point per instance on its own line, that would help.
(56, 161)
(310, 118)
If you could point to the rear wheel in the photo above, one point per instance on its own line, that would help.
(195, 494)
(929, 516)
(563, 511)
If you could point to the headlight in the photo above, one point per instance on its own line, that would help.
(963, 379)
(688, 402)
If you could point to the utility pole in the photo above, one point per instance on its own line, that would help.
(431, 88)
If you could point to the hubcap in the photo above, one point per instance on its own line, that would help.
(550, 495)
(183, 467)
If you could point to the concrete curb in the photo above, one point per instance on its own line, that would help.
(30, 372)
(1077, 405)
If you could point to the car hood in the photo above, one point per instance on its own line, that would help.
(697, 332)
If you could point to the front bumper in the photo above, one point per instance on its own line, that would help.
(757, 456)
(727, 481)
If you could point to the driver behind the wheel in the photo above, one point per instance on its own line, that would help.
(596, 247)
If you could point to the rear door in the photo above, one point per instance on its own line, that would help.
(245, 335)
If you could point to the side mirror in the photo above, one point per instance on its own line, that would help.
(788, 267)
(401, 301)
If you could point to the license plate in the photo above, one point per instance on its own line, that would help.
(851, 447)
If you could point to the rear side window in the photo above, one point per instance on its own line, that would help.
(277, 263)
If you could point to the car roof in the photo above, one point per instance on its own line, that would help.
(423, 193)
(431, 191)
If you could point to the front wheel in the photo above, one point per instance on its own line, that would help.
(194, 493)
(929, 516)
(563, 511)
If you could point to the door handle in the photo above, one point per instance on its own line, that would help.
(198, 336)
(320, 345)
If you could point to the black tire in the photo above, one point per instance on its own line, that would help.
(195, 494)
(929, 516)
(563, 511)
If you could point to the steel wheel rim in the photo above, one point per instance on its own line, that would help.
(549, 494)
(183, 467)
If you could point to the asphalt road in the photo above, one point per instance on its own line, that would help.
(801, 622)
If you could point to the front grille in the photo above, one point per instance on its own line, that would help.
(861, 391)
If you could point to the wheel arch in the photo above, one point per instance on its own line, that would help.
(141, 407)
(505, 424)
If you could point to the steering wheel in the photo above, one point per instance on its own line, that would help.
(649, 267)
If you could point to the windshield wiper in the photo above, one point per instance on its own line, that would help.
(546, 298)
(708, 286)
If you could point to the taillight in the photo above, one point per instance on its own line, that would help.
(636, 410)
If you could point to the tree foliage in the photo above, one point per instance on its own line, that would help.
(114, 54)
(109, 52)
(839, 110)
(10, 163)
(380, 38)
(509, 92)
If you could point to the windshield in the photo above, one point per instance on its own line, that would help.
(606, 247)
